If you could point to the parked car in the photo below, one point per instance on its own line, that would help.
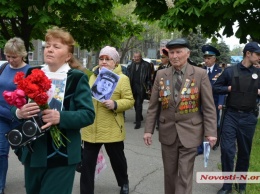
(155, 62)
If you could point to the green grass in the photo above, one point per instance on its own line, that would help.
(255, 160)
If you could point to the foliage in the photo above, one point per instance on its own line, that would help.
(255, 160)
(212, 15)
(91, 22)
(196, 41)
(237, 51)
(150, 32)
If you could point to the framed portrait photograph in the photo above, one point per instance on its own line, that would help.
(105, 85)
(57, 90)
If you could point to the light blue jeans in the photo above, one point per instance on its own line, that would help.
(5, 126)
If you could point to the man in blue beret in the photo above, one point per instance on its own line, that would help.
(187, 116)
(210, 54)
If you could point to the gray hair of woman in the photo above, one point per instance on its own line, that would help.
(15, 46)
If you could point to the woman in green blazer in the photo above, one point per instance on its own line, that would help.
(49, 169)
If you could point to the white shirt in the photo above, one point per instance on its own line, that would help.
(63, 69)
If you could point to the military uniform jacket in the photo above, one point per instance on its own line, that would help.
(190, 123)
(216, 72)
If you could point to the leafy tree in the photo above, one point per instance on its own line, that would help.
(212, 15)
(196, 41)
(237, 51)
(224, 52)
(150, 32)
(91, 22)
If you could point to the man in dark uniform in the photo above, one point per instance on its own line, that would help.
(241, 82)
(210, 54)
(140, 79)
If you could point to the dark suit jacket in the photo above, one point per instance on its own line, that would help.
(145, 77)
(78, 113)
(191, 127)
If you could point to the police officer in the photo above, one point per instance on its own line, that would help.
(241, 82)
(210, 54)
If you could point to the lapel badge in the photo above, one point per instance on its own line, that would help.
(254, 76)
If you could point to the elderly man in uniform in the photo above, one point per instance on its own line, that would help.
(187, 116)
(241, 83)
(210, 54)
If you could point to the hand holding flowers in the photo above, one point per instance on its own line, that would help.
(35, 87)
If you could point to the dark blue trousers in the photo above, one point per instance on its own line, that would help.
(237, 135)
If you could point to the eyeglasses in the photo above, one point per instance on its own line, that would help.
(106, 60)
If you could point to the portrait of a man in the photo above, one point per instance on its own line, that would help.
(52, 101)
(105, 85)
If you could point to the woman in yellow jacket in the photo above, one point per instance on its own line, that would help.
(108, 127)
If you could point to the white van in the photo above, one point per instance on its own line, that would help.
(2, 62)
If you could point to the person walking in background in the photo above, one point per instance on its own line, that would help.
(152, 71)
(50, 169)
(210, 54)
(108, 128)
(187, 116)
(241, 83)
(15, 53)
(165, 63)
(139, 72)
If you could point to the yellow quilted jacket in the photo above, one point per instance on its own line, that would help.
(109, 125)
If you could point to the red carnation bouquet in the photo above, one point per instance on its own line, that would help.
(35, 87)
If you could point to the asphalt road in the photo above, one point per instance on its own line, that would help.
(145, 167)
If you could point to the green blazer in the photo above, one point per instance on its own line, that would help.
(79, 112)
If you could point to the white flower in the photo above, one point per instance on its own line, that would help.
(170, 3)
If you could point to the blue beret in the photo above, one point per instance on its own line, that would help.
(210, 50)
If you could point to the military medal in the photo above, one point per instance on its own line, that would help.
(189, 97)
(164, 93)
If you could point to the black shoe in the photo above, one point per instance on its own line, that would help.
(137, 126)
(224, 191)
(124, 189)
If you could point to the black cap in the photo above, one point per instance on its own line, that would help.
(252, 47)
(179, 42)
(210, 50)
